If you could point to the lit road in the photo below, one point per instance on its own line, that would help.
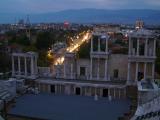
(59, 59)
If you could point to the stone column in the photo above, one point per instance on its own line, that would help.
(137, 46)
(36, 68)
(91, 44)
(98, 70)
(119, 93)
(32, 66)
(129, 70)
(129, 51)
(106, 70)
(71, 71)
(91, 68)
(146, 47)
(153, 70)
(99, 47)
(56, 89)
(145, 69)
(85, 91)
(95, 91)
(13, 67)
(25, 65)
(64, 67)
(19, 65)
(136, 77)
(109, 92)
(114, 92)
(106, 45)
(154, 48)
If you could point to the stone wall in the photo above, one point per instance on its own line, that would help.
(119, 62)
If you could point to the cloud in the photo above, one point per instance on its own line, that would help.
(39, 6)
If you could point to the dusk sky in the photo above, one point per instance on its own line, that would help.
(43, 6)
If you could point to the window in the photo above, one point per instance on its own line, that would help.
(82, 71)
(116, 73)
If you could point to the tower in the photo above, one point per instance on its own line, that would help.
(139, 24)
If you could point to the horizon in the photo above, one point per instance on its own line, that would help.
(26, 13)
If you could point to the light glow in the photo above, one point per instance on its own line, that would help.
(73, 48)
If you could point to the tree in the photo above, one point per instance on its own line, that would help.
(84, 50)
(21, 39)
(30, 48)
(5, 62)
(44, 40)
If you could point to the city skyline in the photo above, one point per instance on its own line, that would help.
(41, 6)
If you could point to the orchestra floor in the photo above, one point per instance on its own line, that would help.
(62, 107)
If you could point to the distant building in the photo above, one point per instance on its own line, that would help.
(107, 28)
(139, 24)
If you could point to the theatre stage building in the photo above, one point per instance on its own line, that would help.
(102, 73)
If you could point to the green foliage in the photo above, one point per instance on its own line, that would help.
(30, 48)
(120, 42)
(5, 62)
(43, 41)
(42, 60)
(84, 51)
(19, 39)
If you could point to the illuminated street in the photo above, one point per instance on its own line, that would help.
(59, 57)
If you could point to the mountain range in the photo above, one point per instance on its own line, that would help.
(127, 16)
